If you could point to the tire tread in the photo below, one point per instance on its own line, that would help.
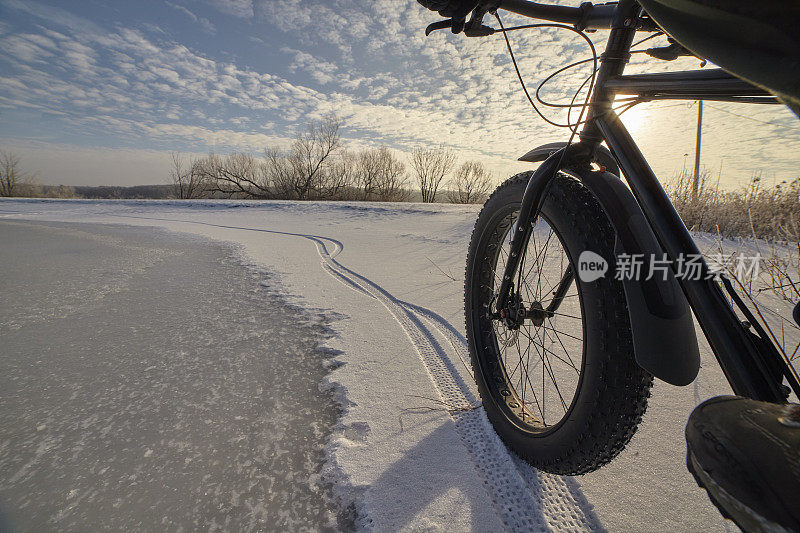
(621, 395)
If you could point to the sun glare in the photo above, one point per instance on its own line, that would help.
(636, 119)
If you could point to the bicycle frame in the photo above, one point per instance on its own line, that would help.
(750, 361)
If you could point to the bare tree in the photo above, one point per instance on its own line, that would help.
(279, 173)
(368, 172)
(381, 176)
(275, 174)
(316, 166)
(392, 184)
(470, 183)
(312, 153)
(59, 191)
(340, 177)
(12, 178)
(237, 175)
(189, 178)
(430, 167)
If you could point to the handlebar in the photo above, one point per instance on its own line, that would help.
(586, 17)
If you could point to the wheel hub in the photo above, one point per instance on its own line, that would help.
(536, 313)
(515, 314)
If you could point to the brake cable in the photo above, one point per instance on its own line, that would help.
(505, 31)
(575, 64)
(627, 103)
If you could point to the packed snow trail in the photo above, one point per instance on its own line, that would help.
(525, 500)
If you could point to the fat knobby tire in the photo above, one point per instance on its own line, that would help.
(612, 389)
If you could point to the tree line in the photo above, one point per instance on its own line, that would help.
(318, 166)
(16, 182)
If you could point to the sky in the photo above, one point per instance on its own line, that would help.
(101, 92)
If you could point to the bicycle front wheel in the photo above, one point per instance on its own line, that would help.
(560, 383)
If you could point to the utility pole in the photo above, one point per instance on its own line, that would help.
(696, 177)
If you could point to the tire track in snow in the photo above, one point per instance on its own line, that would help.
(524, 498)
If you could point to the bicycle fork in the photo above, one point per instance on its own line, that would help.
(532, 201)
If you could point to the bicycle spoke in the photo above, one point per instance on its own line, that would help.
(568, 363)
(542, 273)
(533, 390)
(552, 328)
(553, 379)
(563, 298)
(536, 259)
(556, 335)
(522, 396)
(526, 346)
(551, 290)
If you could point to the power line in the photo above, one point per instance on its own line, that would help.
(748, 118)
(653, 108)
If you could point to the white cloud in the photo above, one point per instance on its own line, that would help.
(237, 8)
(320, 70)
(26, 48)
(207, 25)
(202, 21)
(53, 14)
(373, 67)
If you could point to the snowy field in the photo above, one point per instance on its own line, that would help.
(408, 450)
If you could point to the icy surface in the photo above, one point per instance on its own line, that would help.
(151, 382)
(413, 447)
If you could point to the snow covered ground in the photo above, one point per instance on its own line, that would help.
(409, 450)
(145, 387)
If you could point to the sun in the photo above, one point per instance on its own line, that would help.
(636, 119)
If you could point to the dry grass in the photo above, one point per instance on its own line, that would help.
(753, 220)
(772, 214)
(772, 292)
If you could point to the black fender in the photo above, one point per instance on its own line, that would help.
(796, 313)
(602, 155)
(664, 338)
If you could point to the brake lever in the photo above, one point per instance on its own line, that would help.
(440, 25)
(480, 31)
(669, 53)
(473, 28)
